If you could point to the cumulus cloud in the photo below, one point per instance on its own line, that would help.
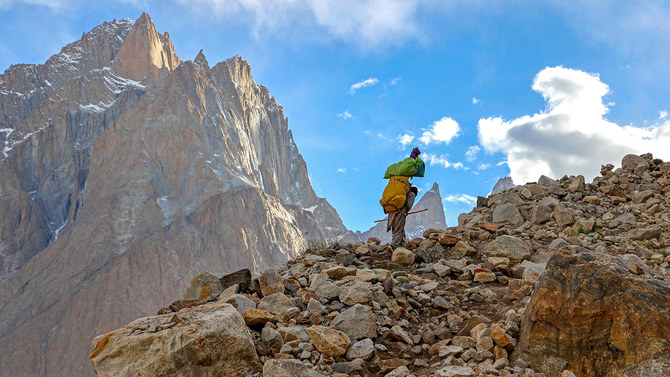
(571, 136)
(345, 115)
(342, 170)
(442, 160)
(475, 101)
(662, 114)
(372, 81)
(461, 198)
(483, 166)
(471, 153)
(441, 131)
(405, 139)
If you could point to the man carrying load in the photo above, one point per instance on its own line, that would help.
(399, 195)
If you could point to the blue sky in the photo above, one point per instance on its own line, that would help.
(527, 87)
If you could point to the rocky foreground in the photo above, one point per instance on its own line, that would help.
(555, 278)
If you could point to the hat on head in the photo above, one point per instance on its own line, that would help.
(415, 153)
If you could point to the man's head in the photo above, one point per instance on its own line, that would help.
(415, 153)
(414, 189)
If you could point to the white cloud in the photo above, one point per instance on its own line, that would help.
(471, 153)
(372, 81)
(367, 23)
(345, 115)
(53, 4)
(441, 160)
(475, 101)
(662, 114)
(342, 170)
(395, 80)
(441, 131)
(571, 136)
(483, 166)
(501, 163)
(461, 198)
(405, 139)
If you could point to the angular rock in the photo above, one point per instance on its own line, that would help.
(507, 213)
(631, 161)
(337, 272)
(257, 317)
(508, 246)
(329, 341)
(275, 303)
(272, 338)
(242, 278)
(286, 368)
(540, 214)
(270, 282)
(203, 286)
(357, 322)
(586, 314)
(328, 290)
(363, 349)
(402, 256)
(355, 293)
(230, 349)
(398, 333)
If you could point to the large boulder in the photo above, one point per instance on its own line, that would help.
(631, 161)
(591, 315)
(207, 340)
(510, 247)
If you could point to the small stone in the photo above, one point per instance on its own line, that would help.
(398, 333)
(398, 372)
(485, 276)
(282, 368)
(402, 256)
(357, 322)
(456, 371)
(270, 282)
(337, 272)
(463, 341)
(442, 303)
(328, 290)
(355, 293)
(329, 341)
(272, 338)
(257, 317)
(363, 349)
(203, 286)
(567, 373)
(315, 307)
(275, 303)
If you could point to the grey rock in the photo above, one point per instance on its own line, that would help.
(508, 246)
(357, 322)
(363, 349)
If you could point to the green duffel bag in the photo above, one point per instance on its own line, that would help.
(408, 167)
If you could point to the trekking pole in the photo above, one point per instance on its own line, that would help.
(410, 213)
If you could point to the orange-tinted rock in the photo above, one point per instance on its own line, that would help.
(592, 316)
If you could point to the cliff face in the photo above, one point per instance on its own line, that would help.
(417, 223)
(125, 173)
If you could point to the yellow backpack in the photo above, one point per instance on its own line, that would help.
(395, 194)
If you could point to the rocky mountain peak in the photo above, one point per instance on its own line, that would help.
(102, 173)
(201, 60)
(145, 53)
(417, 223)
